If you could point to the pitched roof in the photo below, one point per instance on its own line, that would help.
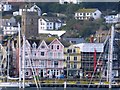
(87, 10)
(51, 19)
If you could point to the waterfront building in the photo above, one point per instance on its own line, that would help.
(87, 14)
(46, 58)
(72, 57)
(90, 54)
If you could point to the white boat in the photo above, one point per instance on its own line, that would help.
(11, 84)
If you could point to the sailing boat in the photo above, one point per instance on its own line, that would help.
(13, 84)
(109, 65)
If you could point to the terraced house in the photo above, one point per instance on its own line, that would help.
(73, 61)
(45, 58)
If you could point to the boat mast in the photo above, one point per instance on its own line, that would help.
(23, 61)
(19, 55)
(111, 56)
(8, 59)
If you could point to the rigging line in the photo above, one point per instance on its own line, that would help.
(94, 70)
(36, 74)
(99, 59)
(30, 62)
(105, 67)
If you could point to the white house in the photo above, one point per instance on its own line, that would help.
(34, 8)
(5, 7)
(9, 25)
(9, 30)
(49, 23)
(86, 14)
(70, 1)
(112, 18)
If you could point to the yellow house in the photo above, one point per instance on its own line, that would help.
(72, 63)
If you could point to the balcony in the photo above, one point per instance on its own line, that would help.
(54, 66)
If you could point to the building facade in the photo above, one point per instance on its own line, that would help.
(49, 23)
(45, 59)
(70, 1)
(91, 59)
(34, 8)
(72, 57)
(29, 24)
(5, 7)
(87, 14)
(112, 18)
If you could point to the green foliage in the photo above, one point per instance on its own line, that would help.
(77, 28)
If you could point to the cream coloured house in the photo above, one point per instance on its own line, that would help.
(86, 14)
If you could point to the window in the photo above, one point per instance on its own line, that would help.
(26, 73)
(26, 53)
(40, 19)
(55, 62)
(42, 53)
(75, 65)
(26, 62)
(74, 51)
(68, 58)
(31, 21)
(80, 13)
(69, 51)
(57, 46)
(59, 54)
(52, 47)
(87, 13)
(41, 63)
(94, 13)
(50, 54)
(75, 58)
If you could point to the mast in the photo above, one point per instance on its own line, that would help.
(111, 56)
(8, 59)
(23, 61)
(19, 56)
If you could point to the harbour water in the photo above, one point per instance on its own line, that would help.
(59, 88)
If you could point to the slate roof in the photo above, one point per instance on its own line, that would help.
(52, 19)
(48, 40)
(86, 10)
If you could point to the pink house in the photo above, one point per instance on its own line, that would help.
(44, 59)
